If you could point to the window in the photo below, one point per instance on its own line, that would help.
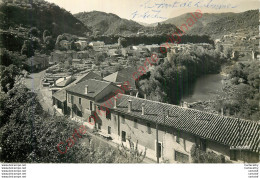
(90, 105)
(123, 136)
(109, 130)
(148, 128)
(115, 118)
(108, 113)
(72, 99)
(181, 157)
(123, 119)
(135, 123)
(233, 155)
(159, 149)
(80, 101)
(99, 126)
(178, 136)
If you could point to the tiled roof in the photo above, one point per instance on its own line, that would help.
(225, 130)
(60, 95)
(94, 87)
(122, 76)
(89, 75)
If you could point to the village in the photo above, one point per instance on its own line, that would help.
(76, 86)
(93, 86)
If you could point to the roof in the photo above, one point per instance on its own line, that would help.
(89, 75)
(76, 60)
(122, 76)
(94, 87)
(64, 82)
(218, 128)
(61, 94)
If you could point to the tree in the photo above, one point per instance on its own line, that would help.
(199, 156)
(227, 52)
(7, 77)
(34, 32)
(132, 154)
(100, 57)
(8, 57)
(45, 34)
(27, 49)
(118, 67)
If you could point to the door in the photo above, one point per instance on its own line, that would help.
(123, 136)
(90, 105)
(109, 130)
(159, 149)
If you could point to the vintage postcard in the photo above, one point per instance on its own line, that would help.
(129, 81)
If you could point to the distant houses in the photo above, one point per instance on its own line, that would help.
(61, 56)
(81, 45)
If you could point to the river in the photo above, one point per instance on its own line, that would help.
(205, 88)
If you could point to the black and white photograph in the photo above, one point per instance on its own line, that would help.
(171, 84)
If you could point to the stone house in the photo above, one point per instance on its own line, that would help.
(177, 128)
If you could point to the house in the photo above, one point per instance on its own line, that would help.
(258, 57)
(121, 76)
(154, 48)
(82, 54)
(166, 131)
(37, 63)
(81, 45)
(77, 61)
(59, 97)
(80, 98)
(113, 53)
(65, 44)
(127, 52)
(97, 44)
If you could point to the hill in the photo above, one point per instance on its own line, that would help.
(39, 14)
(102, 23)
(217, 25)
(108, 24)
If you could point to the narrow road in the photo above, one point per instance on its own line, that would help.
(34, 83)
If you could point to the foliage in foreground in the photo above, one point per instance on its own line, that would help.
(199, 156)
(28, 134)
(132, 155)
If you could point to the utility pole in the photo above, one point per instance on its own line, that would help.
(157, 142)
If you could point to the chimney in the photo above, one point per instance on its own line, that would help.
(222, 112)
(64, 78)
(167, 113)
(143, 108)
(115, 103)
(86, 89)
(145, 96)
(129, 105)
(131, 91)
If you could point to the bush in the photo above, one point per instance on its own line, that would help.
(199, 156)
